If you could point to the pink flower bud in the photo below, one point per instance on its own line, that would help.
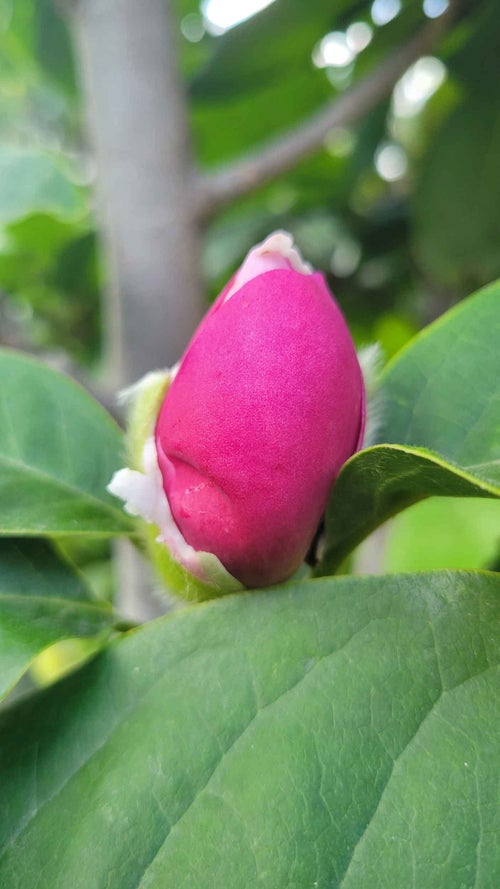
(266, 405)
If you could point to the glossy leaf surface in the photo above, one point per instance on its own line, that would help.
(337, 733)
(381, 481)
(58, 451)
(441, 415)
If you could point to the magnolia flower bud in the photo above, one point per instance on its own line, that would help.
(263, 409)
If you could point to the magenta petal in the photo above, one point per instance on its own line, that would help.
(266, 407)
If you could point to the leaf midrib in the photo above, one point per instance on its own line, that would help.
(427, 455)
(152, 688)
(443, 691)
(256, 715)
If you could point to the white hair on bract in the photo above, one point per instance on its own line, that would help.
(371, 360)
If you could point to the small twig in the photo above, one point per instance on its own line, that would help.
(233, 180)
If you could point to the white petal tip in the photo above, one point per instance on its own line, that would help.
(281, 242)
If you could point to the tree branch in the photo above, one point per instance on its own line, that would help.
(233, 180)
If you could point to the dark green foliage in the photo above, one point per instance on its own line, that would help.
(58, 451)
(332, 732)
(322, 734)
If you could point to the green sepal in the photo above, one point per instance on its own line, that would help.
(144, 401)
(179, 581)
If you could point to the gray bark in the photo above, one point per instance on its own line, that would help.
(137, 124)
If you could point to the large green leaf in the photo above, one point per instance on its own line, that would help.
(58, 450)
(443, 389)
(441, 416)
(336, 733)
(42, 601)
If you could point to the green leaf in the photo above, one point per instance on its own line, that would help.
(474, 56)
(443, 389)
(276, 106)
(35, 182)
(42, 601)
(58, 451)
(378, 483)
(335, 733)
(261, 76)
(285, 33)
(41, 236)
(53, 44)
(442, 412)
(31, 567)
(457, 197)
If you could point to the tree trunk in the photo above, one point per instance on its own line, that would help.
(137, 122)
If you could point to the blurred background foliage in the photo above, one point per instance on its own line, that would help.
(402, 211)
